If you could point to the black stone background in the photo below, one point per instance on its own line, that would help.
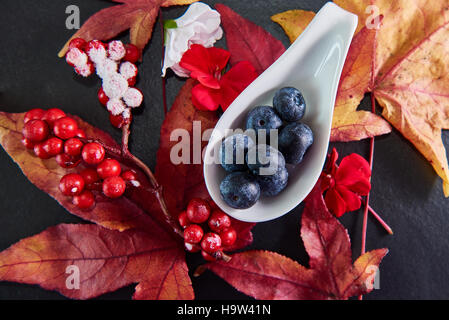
(405, 189)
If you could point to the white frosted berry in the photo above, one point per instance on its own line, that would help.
(76, 58)
(106, 67)
(128, 70)
(96, 51)
(116, 50)
(115, 85)
(85, 70)
(133, 97)
(115, 106)
(126, 113)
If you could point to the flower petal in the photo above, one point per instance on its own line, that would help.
(204, 98)
(335, 203)
(205, 64)
(351, 199)
(235, 81)
(200, 24)
(354, 172)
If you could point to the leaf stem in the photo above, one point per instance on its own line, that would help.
(164, 89)
(365, 211)
(378, 218)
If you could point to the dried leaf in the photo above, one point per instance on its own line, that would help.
(247, 41)
(407, 71)
(184, 181)
(348, 124)
(293, 22)
(105, 259)
(268, 275)
(136, 15)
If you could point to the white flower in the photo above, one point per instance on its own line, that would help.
(199, 25)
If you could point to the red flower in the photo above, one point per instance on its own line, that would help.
(215, 87)
(345, 184)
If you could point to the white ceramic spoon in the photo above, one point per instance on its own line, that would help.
(312, 64)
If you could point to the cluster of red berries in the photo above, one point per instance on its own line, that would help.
(206, 229)
(51, 133)
(114, 63)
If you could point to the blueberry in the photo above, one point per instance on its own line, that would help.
(233, 150)
(294, 140)
(264, 156)
(263, 117)
(271, 185)
(290, 104)
(240, 190)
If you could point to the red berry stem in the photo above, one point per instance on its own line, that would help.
(157, 188)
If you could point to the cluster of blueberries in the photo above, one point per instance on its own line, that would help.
(257, 169)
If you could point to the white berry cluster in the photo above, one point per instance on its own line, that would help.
(118, 76)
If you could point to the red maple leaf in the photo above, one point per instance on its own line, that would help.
(247, 41)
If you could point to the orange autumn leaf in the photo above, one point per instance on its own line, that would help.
(348, 124)
(407, 70)
(136, 15)
(293, 22)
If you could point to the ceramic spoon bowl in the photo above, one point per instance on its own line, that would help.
(312, 64)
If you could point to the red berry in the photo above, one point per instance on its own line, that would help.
(84, 200)
(51, 115)
(73, 146)
(132, 53)
(209, 257)
(71, 184)
(119, 121)
(40, 152)
(193, 233)
(90, 176)
(183, 220)
(114, 187)
(80, 134)
(132, 81)
(109, 168)
(228, 236)
(67, 161)
(27, 143)
(198, 210)
(191, 247)
(35, 130)
(33, 114)
(93, 153)
(85, 70)
(65, 128)
(95, 44)
(102, 97)
(77, 43)
(52, 146)
(129, 175)
(219, 221)
(211, 242)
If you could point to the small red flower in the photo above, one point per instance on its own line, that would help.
(344, 184)
(215, 87)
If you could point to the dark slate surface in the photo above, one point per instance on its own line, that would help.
(406, 191)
